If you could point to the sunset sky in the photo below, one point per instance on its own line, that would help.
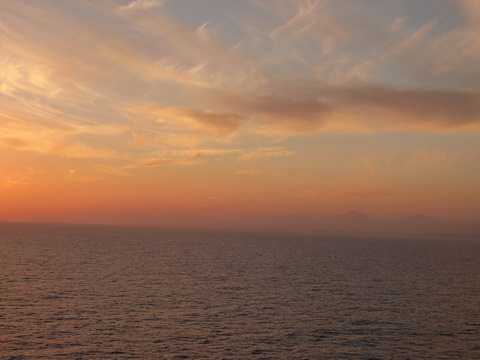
(117, 109)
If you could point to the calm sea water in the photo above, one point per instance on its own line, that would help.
(79, 292)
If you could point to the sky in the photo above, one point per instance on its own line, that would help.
(120, 111)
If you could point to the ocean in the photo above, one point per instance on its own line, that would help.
(98, 292)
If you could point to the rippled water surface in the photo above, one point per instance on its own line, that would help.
(79, 292)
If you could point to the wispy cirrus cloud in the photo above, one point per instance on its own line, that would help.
(137, 76)
(201, 155)
(249, 172)
(27, 133)
(140, 4)
(21, 178)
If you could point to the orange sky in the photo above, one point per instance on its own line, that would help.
(121, 111)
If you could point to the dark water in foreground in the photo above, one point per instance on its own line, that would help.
(78, 292)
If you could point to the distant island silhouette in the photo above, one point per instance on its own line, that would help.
(352, 222)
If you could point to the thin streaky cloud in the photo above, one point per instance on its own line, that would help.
(249, 172)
